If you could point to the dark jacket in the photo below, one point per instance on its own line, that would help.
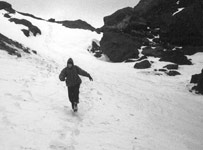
(71, 75)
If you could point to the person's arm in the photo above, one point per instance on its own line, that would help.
(83, 73)
(62, 75)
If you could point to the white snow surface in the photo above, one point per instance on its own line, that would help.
(122, 109)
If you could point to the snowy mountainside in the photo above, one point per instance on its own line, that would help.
(122, 109)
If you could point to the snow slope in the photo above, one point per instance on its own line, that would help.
(122, 109)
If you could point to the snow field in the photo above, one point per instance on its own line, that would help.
(122, 109)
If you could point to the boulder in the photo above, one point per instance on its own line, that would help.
(7, 16)
(195, 78)
(52, 20)
(173, 73)
(95, 47)
(119, 47)
(149, 51)
(176, 57)
(143, 65)
(171, 67)
(199, 80)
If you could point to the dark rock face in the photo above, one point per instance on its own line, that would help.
(160, 21)
(12, 47)
(186, 28)
(119, 47)
(171, 67)
(26, 32)
(198, 79)
(191, 50)
(6, 6)
(34, 29)
(149, 51)
(77, 24)
(195, 78)
(143, 65)
(162, 70)
(95, 49)
(118, 16)
(52, 20)
(7, 16)
(30, 15)
(176, 57)
(173, 73)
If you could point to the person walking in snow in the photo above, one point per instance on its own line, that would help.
(70, 74)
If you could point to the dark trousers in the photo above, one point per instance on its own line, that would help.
(73, 93)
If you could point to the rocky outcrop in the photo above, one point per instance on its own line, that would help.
(12, 47)
(95, 49)
(30, 15)
(31, 28)
(52, 20)
(198, 80)
(173, 73)
(119, 47)
(149, 51)
(6, 6)
(161, 25)
(142, 65)
(77, 24)
(171, 67)
(176, 57)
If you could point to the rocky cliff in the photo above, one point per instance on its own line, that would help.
(160, 26)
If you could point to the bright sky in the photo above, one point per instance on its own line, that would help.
(91, 11)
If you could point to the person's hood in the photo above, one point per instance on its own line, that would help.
(70, 61)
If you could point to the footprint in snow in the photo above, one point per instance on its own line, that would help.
(61, 146)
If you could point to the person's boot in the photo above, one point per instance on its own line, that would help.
(72, 104)
(75, 109)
